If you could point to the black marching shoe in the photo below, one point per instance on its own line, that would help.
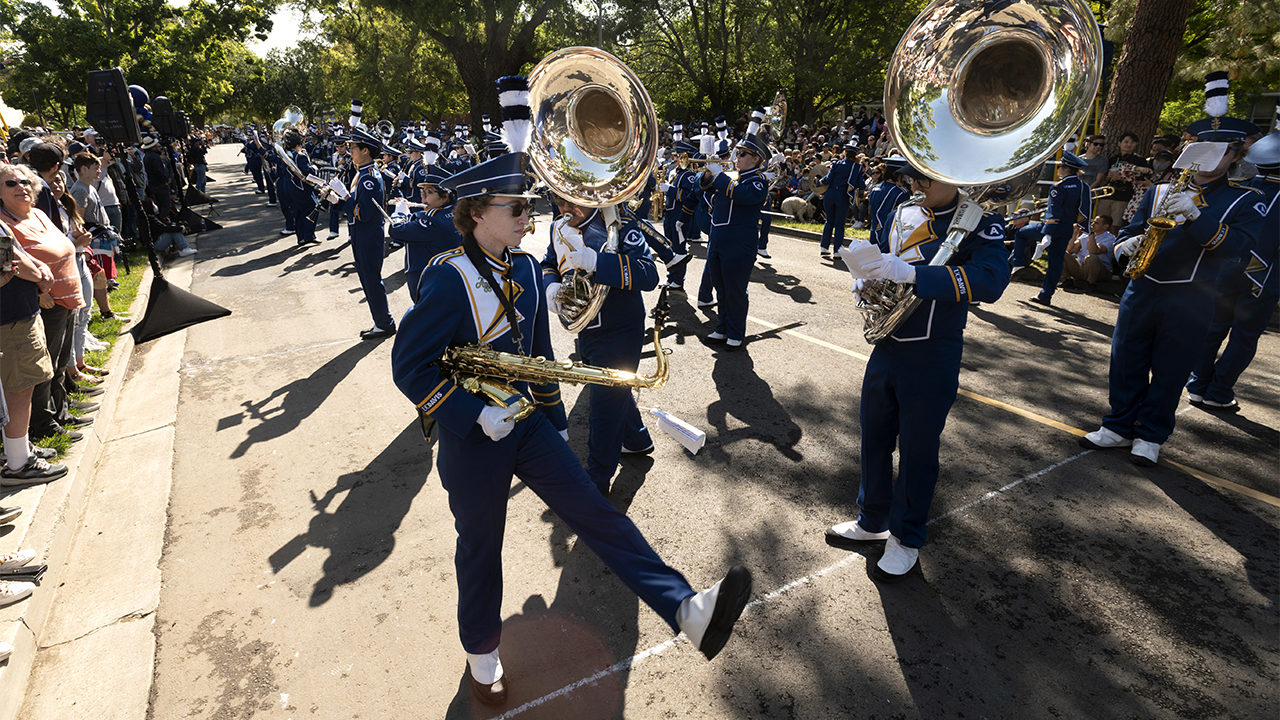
(735, 591)
(377, 333)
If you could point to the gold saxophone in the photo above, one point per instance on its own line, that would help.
(1158, 225)
(487, 373)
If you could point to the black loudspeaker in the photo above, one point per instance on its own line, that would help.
(184, 123)
(164, 118)
(109, 107)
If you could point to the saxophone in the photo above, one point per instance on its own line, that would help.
(487, 373)
(1158, 225)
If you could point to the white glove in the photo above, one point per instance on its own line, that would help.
(891, 267)
(664, 186)
(1128, 247)
(1184, 204)
(402, 207)
(496, 422)
(857, 256)
(1041, 247)
(400, 176)
(584, 259)
(715, 169)
(571, 235)
(564, 435)
(777, 158)
(553, 305)
(858, 284)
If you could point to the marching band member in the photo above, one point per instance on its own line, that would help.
(1247, 298)
(883, 199)
(843, 174)
(271, 180)
(914, 374)
(415, 171)
(735, 234)
(428, 232)
(488, 291)
(1165, 315)
(341, 160)
(297, 197)
(1070, 207)
(616, 336)
(364, 223)
(253, 159)
(674, 218)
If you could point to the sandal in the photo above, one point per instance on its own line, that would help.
(87, 368)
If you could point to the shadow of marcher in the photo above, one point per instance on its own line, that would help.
(360, 532)
(259, 263)
(780, 284)
(745, 396)
(300, 398)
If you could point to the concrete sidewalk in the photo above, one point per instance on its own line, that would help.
(83, 642)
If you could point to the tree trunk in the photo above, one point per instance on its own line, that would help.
(1142, 74)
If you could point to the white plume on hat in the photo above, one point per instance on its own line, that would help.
(1216, 94)
(517, 128)
(357, 109)
(757, 117)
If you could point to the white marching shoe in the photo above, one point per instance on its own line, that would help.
(897, 562)
(707, 618)
(1104, 439)
(1144, 452)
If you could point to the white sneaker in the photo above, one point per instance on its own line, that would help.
(16, 559)
(733, 343)
(676, 259)
(851, 530)
(1192, 397)
(897, 560)
(763, 253)
(5, 651)
(1144, 452)
(705, 304)
(858, 225)
(715, 336)
(1104, 439)
(187, 253)
(333, 235)
(707, 618)
(825, 253)
(11, 592)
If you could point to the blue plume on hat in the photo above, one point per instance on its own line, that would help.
(513, 96)
(1217, 94)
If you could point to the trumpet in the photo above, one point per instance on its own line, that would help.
(1043, 204)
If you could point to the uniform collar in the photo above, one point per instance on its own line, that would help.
(1211, 186)
(501, 264)
(365, 166)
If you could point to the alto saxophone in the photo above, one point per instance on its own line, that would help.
(1158, 225)
(487, 373)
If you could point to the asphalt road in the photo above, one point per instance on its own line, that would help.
(308, 568)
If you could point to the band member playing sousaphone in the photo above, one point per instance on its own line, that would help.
(489, 291)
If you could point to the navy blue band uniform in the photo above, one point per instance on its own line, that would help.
(613, 339)
(1070, 206)
(912, 376)
(298, 199)
(457, 308)
(733, 243)
(426, 234)
(365, 219)
(1164, 316)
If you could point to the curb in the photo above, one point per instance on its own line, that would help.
(50, 520)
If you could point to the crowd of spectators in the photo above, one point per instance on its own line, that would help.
(68, 207)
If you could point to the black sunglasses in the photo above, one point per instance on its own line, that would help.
(16, 183)
(517, 208)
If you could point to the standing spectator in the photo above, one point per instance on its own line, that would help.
(37, 235)
(1125, 167)
(1096, 164)
(158, 178)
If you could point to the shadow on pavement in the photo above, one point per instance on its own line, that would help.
(298, 400)
(360, 532)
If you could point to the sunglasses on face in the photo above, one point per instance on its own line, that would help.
(517, 208)
(1096, 144)
(16, 183)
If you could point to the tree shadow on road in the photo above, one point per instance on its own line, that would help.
(298, 400)
(744, 395)
(360, 532)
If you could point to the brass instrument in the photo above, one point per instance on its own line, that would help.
(487, 373)
(1043, 203)
(1158, 225)
(978, 96)
(595, 137)
(293, 119)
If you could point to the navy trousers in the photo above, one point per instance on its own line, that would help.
(731, 274)
(476, 472)
(416, 257)
(1245, 317)
(271, 186)
(1024, 241)
(335, 216)
(1160, 332)
(615, 419)
(710, 278)
(766, 223)
(833, 230)
(366, 245)
(907, 393)
(301, 209)
(255, 167)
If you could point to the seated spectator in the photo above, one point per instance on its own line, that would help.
(1089, 256)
